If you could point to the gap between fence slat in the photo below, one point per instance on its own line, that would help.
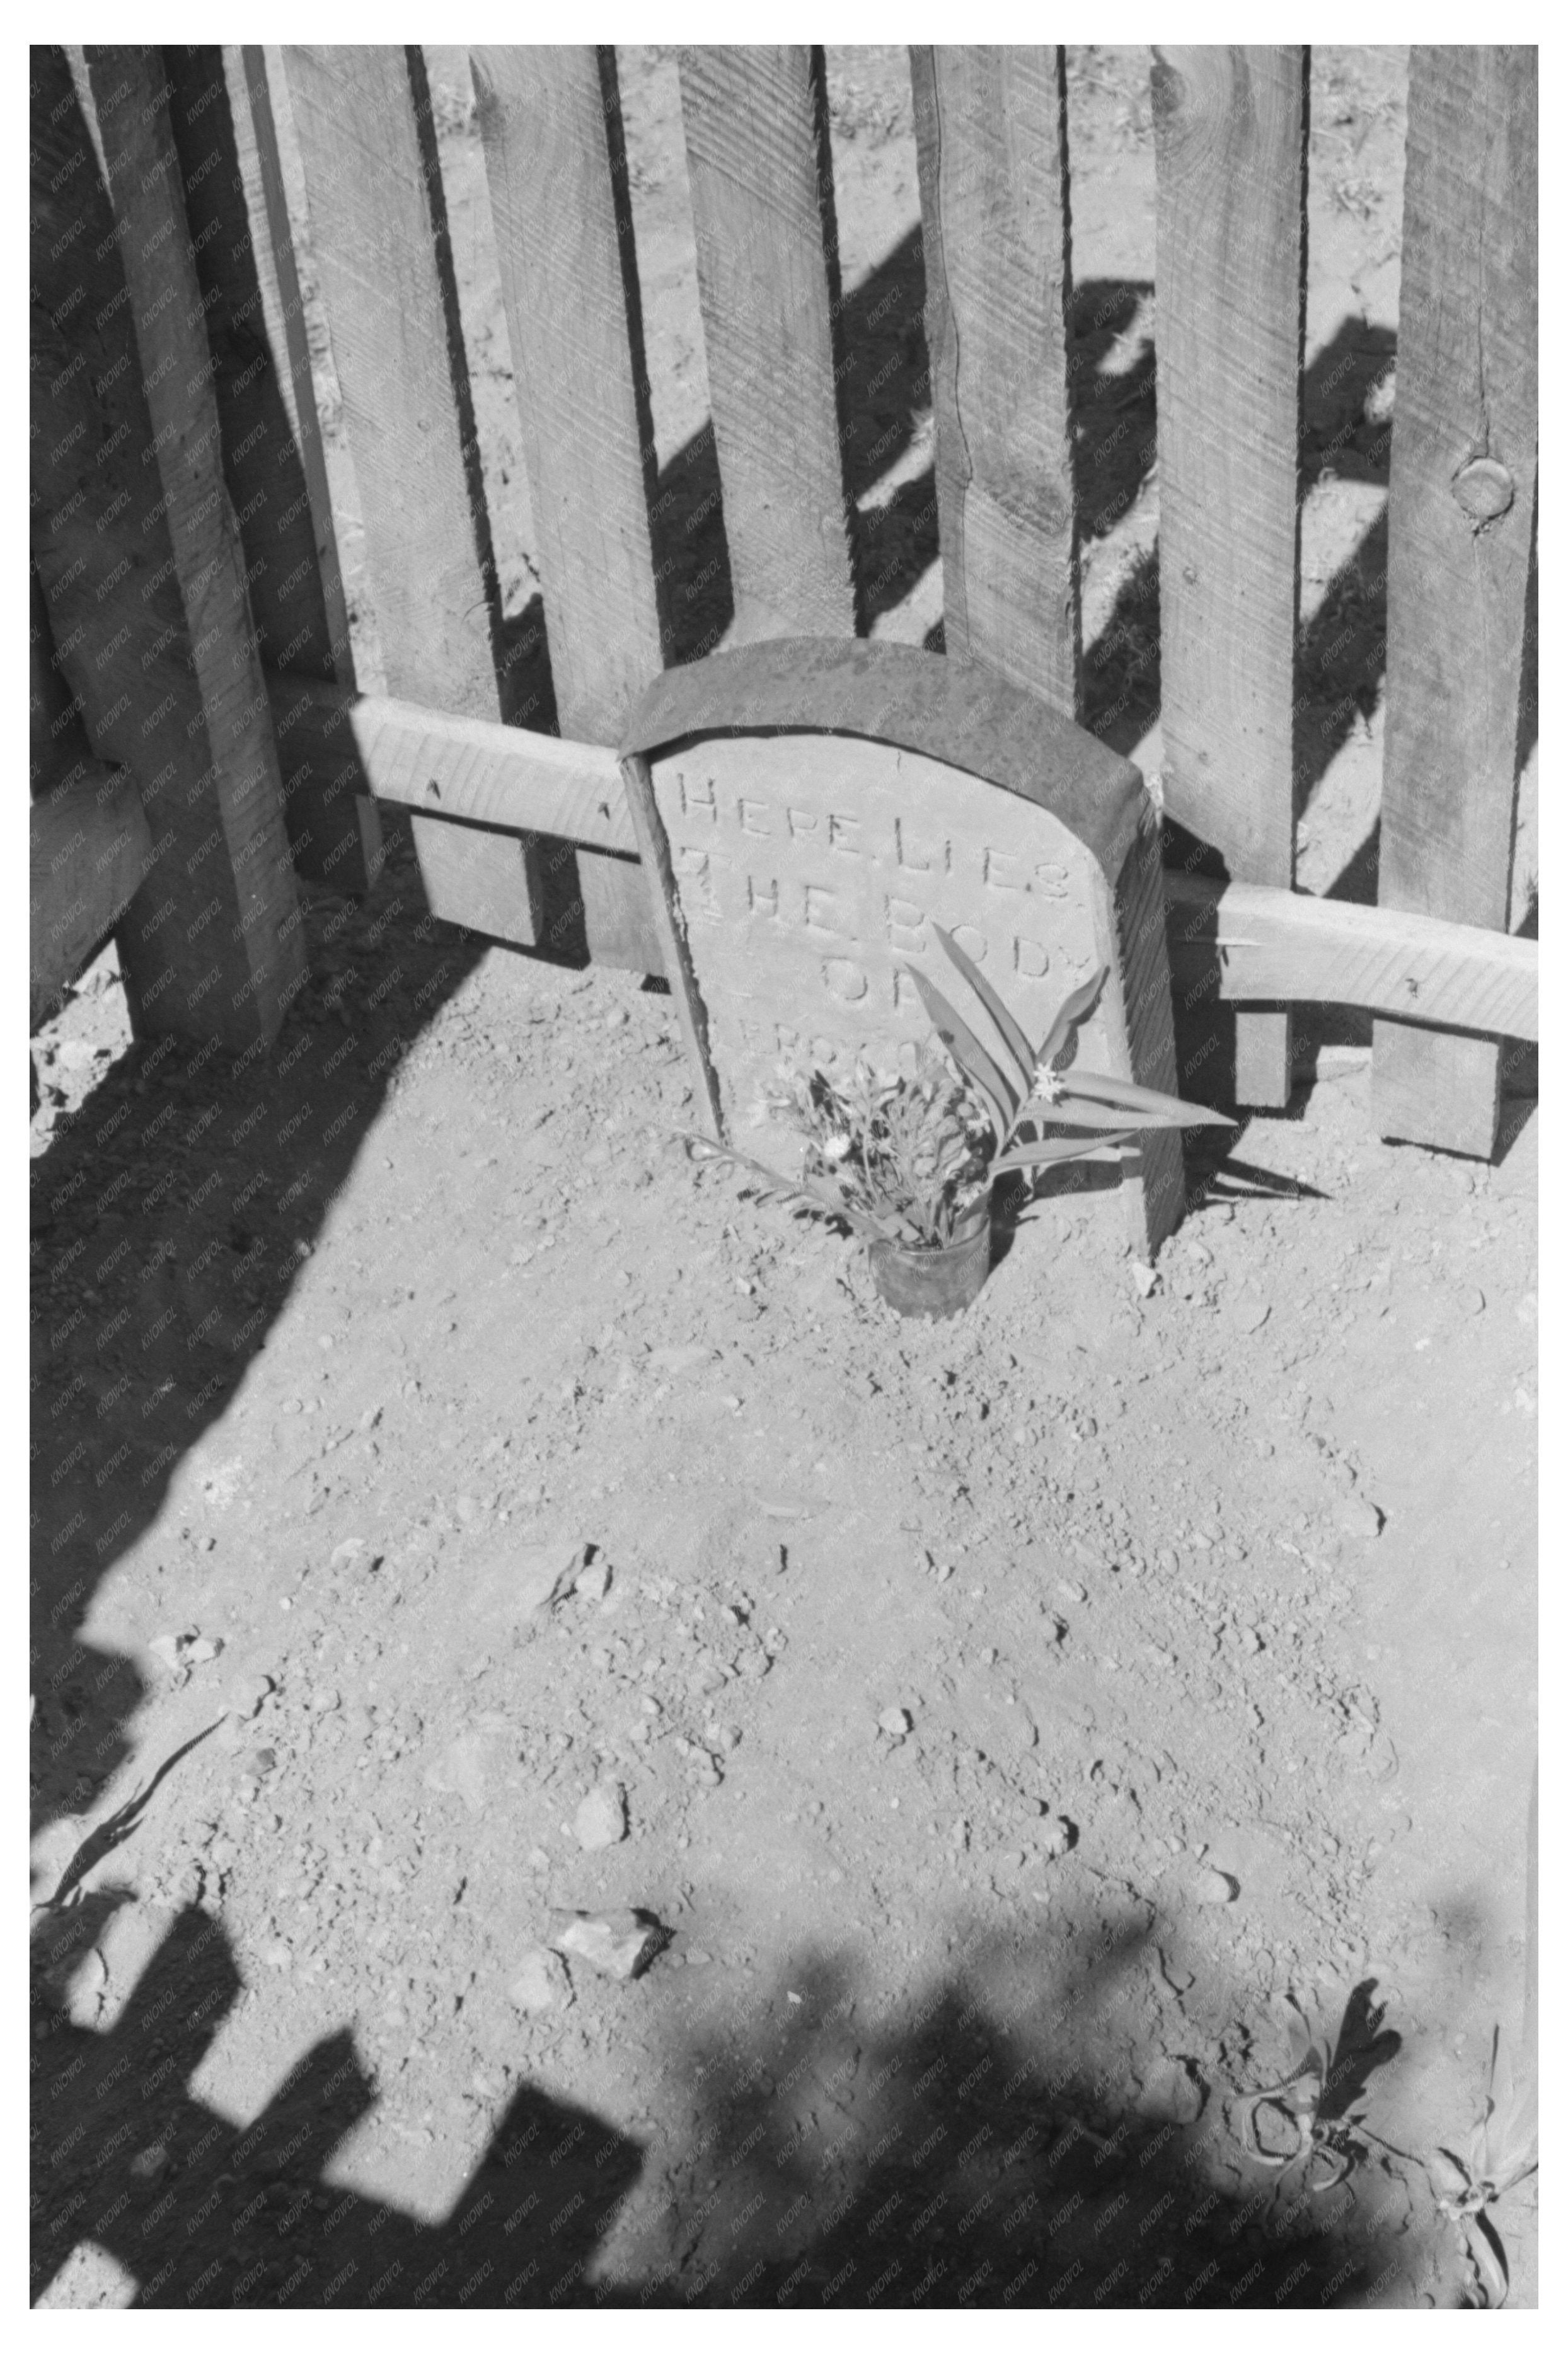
(761, 180)
(1461, 503)
(991, 135)
(1230, 130)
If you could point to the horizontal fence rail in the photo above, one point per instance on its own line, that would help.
(227, 716)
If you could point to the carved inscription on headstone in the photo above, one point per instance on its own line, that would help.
(809, 871)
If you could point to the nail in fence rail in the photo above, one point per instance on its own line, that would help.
(222, 125)
(379, 232)
(550, 121)
(136, 546)
(1461, 503)
(1230, 134)
(762, 203)
(991, 135)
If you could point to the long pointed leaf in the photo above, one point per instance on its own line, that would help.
(1007, 1029)
(1172, 1111)
(1067, 1114)
(1056, 1147)
(969, 1056)
(1073, 1009)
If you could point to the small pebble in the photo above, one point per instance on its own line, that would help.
(600, 1819)
(593, 1582)
(896, 1723)
(541, 1983)
(1212, 1887)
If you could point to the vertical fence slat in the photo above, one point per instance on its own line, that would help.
(213, 948)
(335, 834)
(990, 130)
(282, 304)
(1461, 503)
(756, 147)
(379, 233)
(550, 122)
(90, 843)
(1230, 130)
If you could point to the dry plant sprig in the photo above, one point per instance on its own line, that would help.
(1504, 2151)
(901, 1160)
(1311, 2112)
(905, 1161)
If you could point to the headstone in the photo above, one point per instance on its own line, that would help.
(811, 809)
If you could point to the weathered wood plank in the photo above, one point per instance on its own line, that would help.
(380, 231)
(1240, 940)
(90, 849)
(282, 304)
(141, 563)
(762, 178)
(474, 770)
(55, 738)
(1461, 498)
(1230, 133)
(1136, 1015)
(232, 233)
(990, 134)
(556, 163)
(90, 843)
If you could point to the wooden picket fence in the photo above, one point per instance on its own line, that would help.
(208, 742)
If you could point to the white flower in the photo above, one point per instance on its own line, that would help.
(1048, 1083)
(837, 1148)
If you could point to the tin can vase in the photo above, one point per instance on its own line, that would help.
(940, 1282)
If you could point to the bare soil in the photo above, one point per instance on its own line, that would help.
(1002, 1716)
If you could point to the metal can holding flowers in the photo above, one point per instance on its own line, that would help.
(908, 1163)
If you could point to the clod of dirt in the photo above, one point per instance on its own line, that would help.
(620, 1944)
(600, 1819)
(1144, 1277)
(541, 1983)
(1056, 1837)
(516, 1583)
(1358, 1518)
(1168, 2092)
(1215, 1887)
(190, 1650)
(896, 1723)
(461, 1770)
(592, 1582)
